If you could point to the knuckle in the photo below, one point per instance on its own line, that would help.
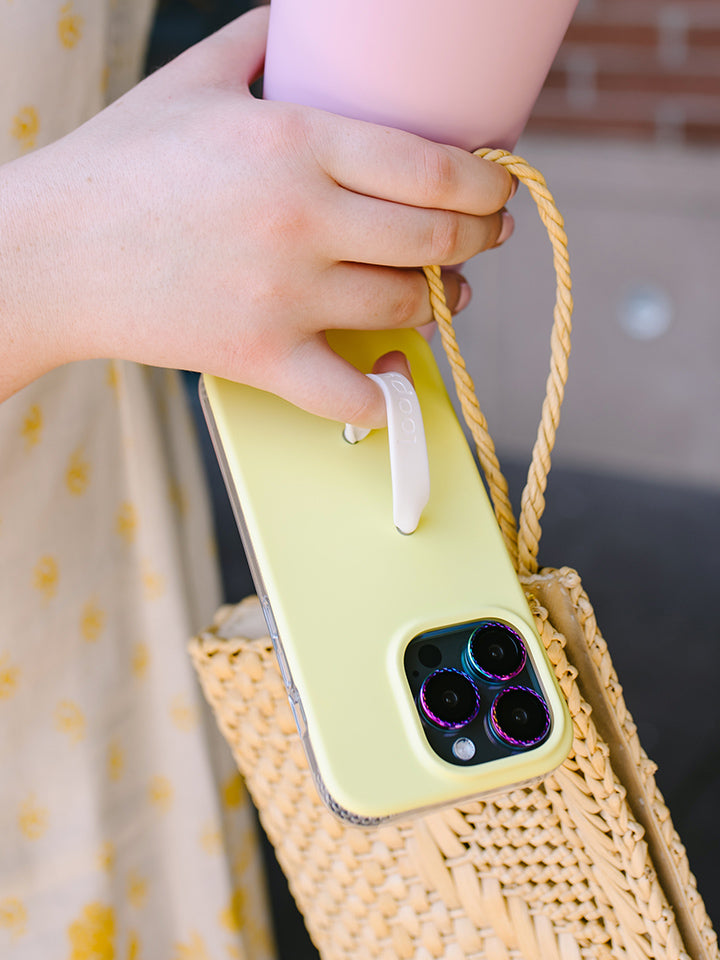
(278, 147)
(445, 235)
(288, 222)
(406, 306)
(286, 128)
(437, 173)
(496, 187)
(292, 220)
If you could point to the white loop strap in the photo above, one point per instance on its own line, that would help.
(409, 468)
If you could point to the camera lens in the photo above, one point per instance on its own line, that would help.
(449, 698)
(496, 651)
(518, 716)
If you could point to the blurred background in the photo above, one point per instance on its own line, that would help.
(627, 134)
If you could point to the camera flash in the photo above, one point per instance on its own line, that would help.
(463, 748)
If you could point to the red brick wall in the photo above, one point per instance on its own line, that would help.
(645, 69)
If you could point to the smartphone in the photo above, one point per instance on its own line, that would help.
(411, 662)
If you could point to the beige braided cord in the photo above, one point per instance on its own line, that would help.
(474, 417)
(522, 546)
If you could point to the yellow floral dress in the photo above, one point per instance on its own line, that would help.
(124, 832)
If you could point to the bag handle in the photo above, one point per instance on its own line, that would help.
(523, 544)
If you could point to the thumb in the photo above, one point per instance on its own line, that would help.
(248, 36)
(393, 362)
(316, 379)
(235, 55)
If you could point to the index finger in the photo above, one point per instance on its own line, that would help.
(394, 165)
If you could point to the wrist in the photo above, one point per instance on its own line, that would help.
(34, 252)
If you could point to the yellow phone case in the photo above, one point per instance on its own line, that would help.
(344, 592)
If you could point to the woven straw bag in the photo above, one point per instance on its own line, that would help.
(585, 864)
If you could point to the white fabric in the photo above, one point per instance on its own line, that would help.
(124, 831)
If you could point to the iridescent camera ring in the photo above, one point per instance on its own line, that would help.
(449, 698)
(496, 651)
(519, 717)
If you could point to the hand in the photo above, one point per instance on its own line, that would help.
(191, 225)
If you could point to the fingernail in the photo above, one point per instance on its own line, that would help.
(514, 187)
(464, 298)
(508, 225)
(428, 330)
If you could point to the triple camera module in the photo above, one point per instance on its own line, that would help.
(476, 692)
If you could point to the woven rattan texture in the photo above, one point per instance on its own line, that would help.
(556, 871)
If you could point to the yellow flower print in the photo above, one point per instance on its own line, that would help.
(9, 676)
(153, 582)
(70, 719)
(126, 522)
(172, 381)
(211, 838)
(92, 935)
(178, 497)
(133, 950)
(111, 378)
(13, 917)
(258, 936)
(137, 890)
(242, 860)
(194, 949)
(232, 791)
(47, 575)
(115, 761)
(32, 819)
(92, 621)
(106, 856)
(70, 26)
(233, 916)
(140, 659)
(32, 426)
(77, 475)
(25, 127)
(183, 714)
(160, 793)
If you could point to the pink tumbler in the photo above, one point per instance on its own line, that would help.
(465, 72)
